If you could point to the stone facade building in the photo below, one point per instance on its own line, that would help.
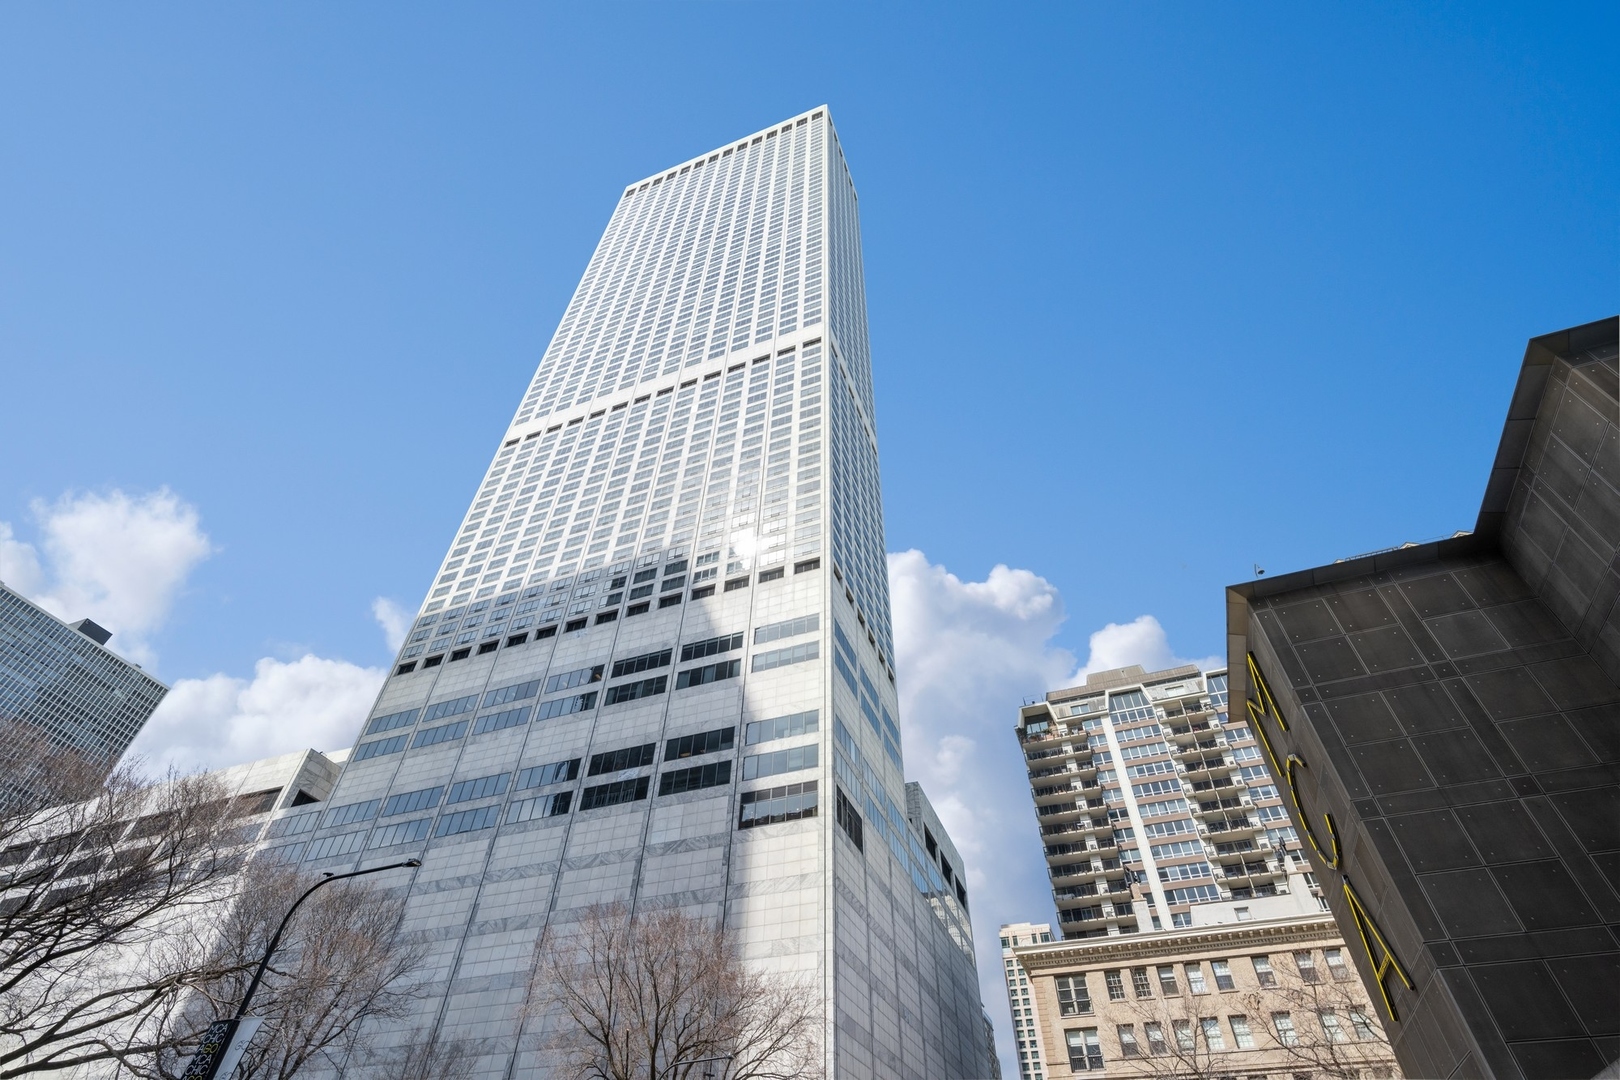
(1446, 718)
(1275, 996)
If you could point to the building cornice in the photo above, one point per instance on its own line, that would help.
(1089, 951)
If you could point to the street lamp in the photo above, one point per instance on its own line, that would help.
(218, 1039)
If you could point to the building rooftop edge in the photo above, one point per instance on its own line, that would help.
(1166, 942)
(1539, 354)
(731, 144)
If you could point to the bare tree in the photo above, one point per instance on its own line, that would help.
(1326, 1027)
(342, 963)
(1322, 1028)
(665, 996)
(130, 917)
(96, 871)
(435, 1059)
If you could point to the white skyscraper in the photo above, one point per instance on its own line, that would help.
(656, 663)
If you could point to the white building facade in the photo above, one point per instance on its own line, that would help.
(655, 664)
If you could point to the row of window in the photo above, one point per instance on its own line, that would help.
(787, 803)
(772, 632)
(1074, 995)
(1085, 1048)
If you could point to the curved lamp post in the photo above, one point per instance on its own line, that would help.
(221, 1033)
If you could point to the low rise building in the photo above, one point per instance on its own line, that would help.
(1259, 990)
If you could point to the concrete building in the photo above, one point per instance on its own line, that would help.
(1240, 992)
(1152, 800)
(655, 664)
(1446, 717)
(62, 680)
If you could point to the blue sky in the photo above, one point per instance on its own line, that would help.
(1157, 292)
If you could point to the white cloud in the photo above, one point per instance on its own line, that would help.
(116, 558)
(1140, 641)
(967, 654)
(393, 619)
(220, 720)
(19, 564)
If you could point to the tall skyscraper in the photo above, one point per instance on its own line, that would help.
(656, 663)
(63, 681)
(1152, 800)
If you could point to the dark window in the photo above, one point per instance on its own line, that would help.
(1140, 983)
(699, 594)
(1085, 1051)
(433, 661)
(1074, 999)
(460, 654)
(502, 720)
(849, 819)
(406, 669)
(669, 601)
(570, 679)
(636, 609)
(545, 632)
(349, 814)
(467, 821)
(630, 691)
(606, 616)
(566, 705)
(488, 647)
(542, 807)
(646, 575)
(481, 788)
(555, 773)
(771, 575)
(622, 791)
(707, 742)
(673, 583)
(453, 707)
(631, 757)
(517, 639)
(408, 802)
(769, 805)
(574, 624)
(631, 665)
(380, 747)
(713, 774)
(736, 583)
(435, 735)
(708, 673)
(808, 564)
(675, 567)
(381, 724)
(711, 647)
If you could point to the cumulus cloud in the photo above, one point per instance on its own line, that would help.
(1140, 641)
(221, 720)
(967, 654)
(393, 619)
(119, 559)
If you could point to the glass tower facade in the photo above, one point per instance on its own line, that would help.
(58, 679)
(655, 664)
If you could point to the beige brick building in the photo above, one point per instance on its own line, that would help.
(1241, 998)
